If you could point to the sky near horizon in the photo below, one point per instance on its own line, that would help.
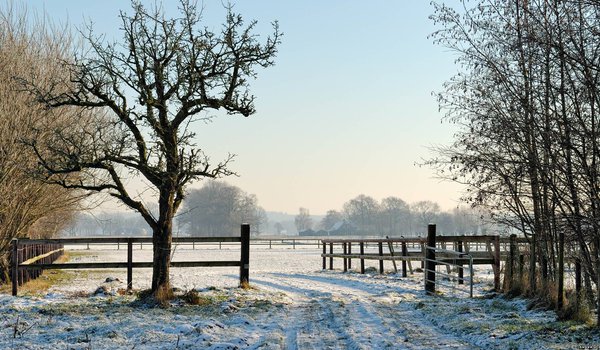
(346, 110)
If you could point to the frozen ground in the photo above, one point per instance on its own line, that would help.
(293, 305)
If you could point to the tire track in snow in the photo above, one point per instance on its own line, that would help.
(318, 326)
(342, 314)
(406, 328)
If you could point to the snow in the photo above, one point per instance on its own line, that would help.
(293, 305)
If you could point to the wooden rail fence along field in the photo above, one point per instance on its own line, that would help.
(43, 262)
(31, 252)
(484, 250)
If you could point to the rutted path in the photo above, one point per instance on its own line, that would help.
(329, 312)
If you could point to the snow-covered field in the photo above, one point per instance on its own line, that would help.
(293, 305)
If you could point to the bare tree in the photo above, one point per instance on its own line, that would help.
(163, 76)
(303, 220)
(219, 209)
(526, 98)
(331, 218)
(278, 228)
(28, 207)
(424, 213)
(395, 216)
(363, 211)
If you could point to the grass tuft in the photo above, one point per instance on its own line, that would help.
(192, 297)
(246, 285)
(161, 297)
(164, 294)
(573, 312)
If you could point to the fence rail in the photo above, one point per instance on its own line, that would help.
(43, 261)
(292, 242)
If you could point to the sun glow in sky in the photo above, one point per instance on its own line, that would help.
(347, 109)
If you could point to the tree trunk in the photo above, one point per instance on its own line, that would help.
(161, 240)
(162, 237)
(560, 271)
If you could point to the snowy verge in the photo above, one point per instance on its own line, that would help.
(292, 305)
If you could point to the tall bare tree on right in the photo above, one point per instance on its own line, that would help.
(526, 98)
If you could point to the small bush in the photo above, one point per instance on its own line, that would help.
(573, 312)
(545, 297)
(192, 297)
(519, 287)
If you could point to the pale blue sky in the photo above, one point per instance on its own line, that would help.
(346, 110)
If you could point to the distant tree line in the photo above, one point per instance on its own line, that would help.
(107, 224)
(218, 209)
(215, 209)
(393, 217)
(527, 101)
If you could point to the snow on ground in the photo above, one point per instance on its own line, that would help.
(292, 305)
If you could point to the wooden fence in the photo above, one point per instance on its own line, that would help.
(485, 250)
(38, 263)
(31, 252)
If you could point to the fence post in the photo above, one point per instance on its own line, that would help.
(497, 263)
(324, 258)
(362, 260)
(521, 266)
(577, 282)
(20, 274)
(405, 256)
(14, 262)
(511, 260)
(245, 258)
(344, 247)
(461, 272)
(381, 255)
(430, 260)
(129, 263)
